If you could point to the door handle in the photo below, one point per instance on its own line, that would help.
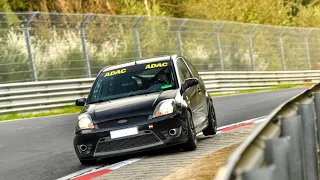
(199, 89)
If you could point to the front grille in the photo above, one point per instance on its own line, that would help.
(127, 143)
(160, 135)
(114, 123)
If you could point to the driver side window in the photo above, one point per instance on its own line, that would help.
(183, 70)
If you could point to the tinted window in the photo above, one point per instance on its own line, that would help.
(183, 70)
(192, 69)
(133, 80)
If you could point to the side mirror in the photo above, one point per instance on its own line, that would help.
(81, 102)
(189, 83)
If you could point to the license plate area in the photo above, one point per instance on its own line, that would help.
(124, 132)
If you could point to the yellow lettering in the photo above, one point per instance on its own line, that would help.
(112, 73)
(151, 66)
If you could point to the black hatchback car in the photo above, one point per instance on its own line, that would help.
(143, 105)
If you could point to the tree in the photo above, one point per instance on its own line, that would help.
(5, 6)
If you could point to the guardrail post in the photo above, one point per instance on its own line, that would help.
(179, 36)
(276, 152)
(84, 47)
(281, 48)
(219, 45)
(309, 140)
(307, 48)
(291, 126)
(28, 44)
(267, 173)
(251, 46)
(136, 37)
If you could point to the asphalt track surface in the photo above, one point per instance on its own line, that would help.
(41, 148)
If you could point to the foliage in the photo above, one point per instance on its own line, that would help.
(282, 12)
(308, 17)
(58, 56)
(14, 58)
(5, 6)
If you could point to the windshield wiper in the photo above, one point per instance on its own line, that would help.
(131, 94)
(102, 100)
(145, 92)
(98, 101)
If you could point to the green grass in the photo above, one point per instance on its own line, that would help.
(65, 110)
(278, 87)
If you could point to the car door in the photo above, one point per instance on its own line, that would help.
(201, 93)
(191, 94)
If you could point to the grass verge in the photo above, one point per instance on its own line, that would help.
(272, 88)
(205, 168)
(65, 110)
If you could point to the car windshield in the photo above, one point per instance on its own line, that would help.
(133, 80)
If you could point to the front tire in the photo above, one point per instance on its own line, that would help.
(212, 122)
(192, 142)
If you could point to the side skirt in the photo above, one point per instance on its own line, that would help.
(202, 126)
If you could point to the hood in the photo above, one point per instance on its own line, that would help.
(127, 107)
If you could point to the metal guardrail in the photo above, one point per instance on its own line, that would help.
(230, 81)
(284, 147)
(45, 95)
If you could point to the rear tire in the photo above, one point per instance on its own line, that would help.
(212, 122)
(192, 142)
(88, 162)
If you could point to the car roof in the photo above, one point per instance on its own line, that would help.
(141, 61)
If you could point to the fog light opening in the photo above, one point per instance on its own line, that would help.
(172, 132)
(83, 147)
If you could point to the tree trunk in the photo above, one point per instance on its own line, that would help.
(147, 7)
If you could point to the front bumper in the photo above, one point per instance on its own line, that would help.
(152, 134)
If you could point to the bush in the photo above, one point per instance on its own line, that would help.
(14, 58)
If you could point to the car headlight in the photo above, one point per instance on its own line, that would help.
(164, 107)
(85, 122)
